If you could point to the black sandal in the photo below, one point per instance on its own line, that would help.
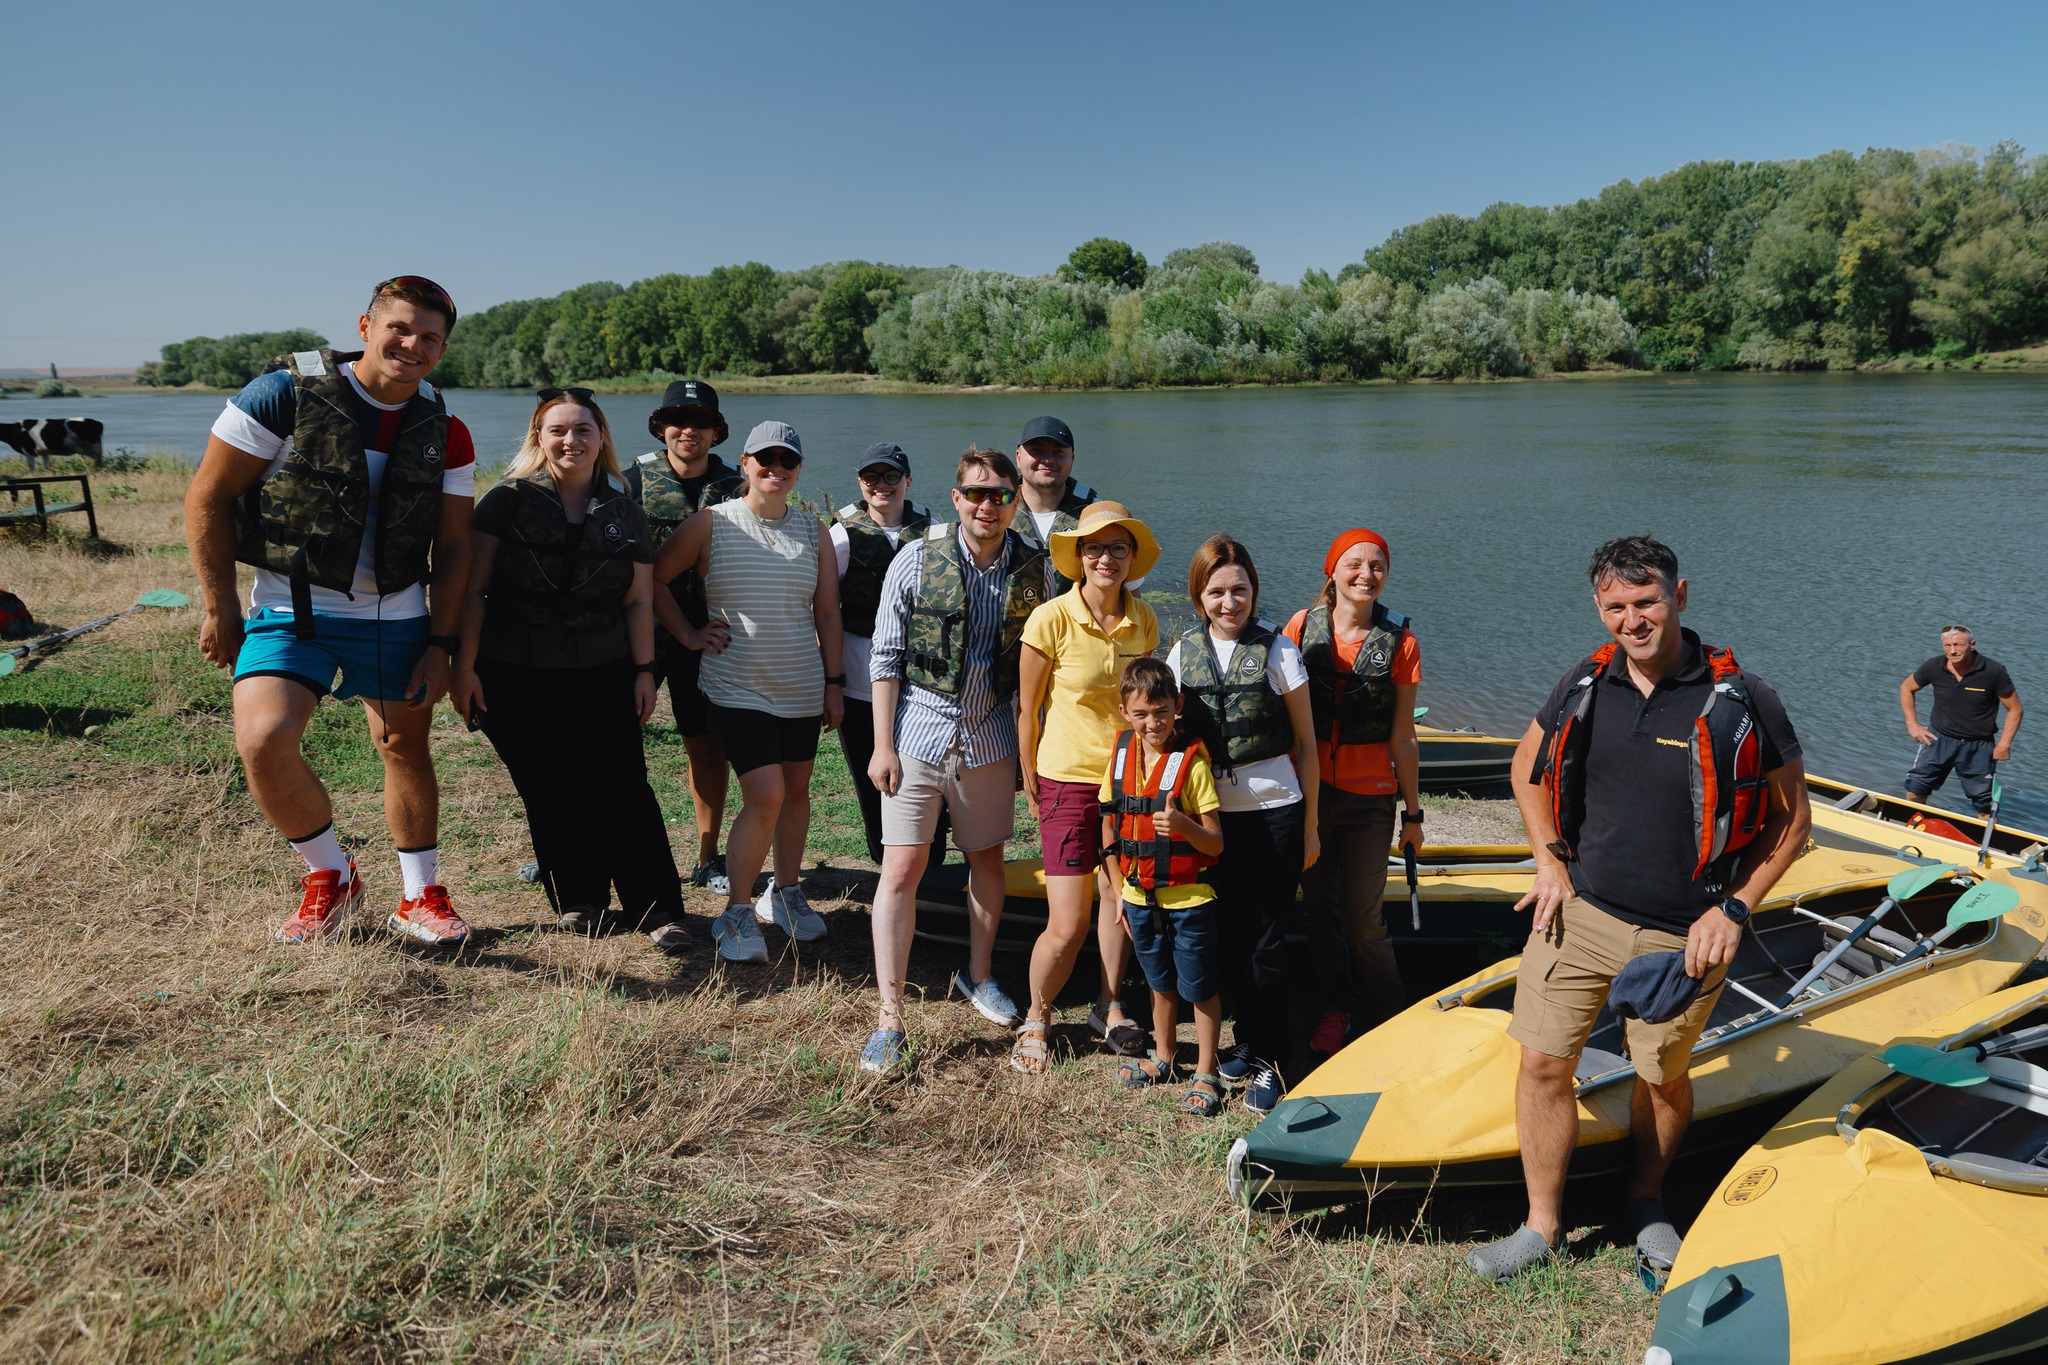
(1203, 1105)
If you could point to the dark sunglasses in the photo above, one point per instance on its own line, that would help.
(583, 396)
(421, 283)
(979, 493)
(777, 457)
(887, 478)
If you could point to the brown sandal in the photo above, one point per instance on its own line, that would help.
(1030, 1054)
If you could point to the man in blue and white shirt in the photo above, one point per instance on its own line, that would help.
(957, 750)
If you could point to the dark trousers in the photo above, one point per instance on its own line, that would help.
(1341, 909)
(1254, 882)
(571, 741)
(1969, 759)
(857, 742)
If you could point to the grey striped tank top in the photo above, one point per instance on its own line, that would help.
(761, 581)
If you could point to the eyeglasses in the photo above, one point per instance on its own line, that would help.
(545, 396)
(979, 493)
(777, 457)
(882, 476)
(418, 282)
(1116, 550)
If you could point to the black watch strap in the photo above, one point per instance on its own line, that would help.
(649, 667)
(451, 643)
(838, 679)
(1411, 817)
(1734, 909)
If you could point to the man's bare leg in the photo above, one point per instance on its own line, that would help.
(895, 920)
(271, 715)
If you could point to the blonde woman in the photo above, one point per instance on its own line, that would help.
(557, 668)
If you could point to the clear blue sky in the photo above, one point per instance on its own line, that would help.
(210, 168)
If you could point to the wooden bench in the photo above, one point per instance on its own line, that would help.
(44, 509)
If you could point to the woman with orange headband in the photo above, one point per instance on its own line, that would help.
(1363, 669)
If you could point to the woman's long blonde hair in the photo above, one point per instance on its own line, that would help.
(530, 460)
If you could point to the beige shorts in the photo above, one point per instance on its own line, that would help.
(982, 803)
(1566, 971)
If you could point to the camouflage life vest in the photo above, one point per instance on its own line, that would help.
(935, 644)
(1065, 517)
(659, 490)
(1239, 717)
(552, 580)
(306, 520)
(1355, 706)
(868, 552)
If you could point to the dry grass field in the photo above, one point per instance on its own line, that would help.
(551, 1148)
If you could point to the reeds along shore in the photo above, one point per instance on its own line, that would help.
(577, 1149)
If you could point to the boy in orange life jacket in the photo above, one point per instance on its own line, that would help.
(1161, 826)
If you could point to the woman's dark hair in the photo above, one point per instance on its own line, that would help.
(1634, 560)
(1215, 553)
(1150, 678)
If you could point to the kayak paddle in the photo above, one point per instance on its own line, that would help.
(1414, 904)
(1969, 1064)
(1421, 711)
(1990, 825)
(1905, 886)
(158, 597)
(1981, 903)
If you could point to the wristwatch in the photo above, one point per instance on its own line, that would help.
(1411, 817)
(649, 667)
(835, 680)
(1735, 910)
(451, 643)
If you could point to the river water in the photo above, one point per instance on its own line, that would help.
(1829, 524)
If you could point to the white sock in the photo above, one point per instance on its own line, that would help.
(322, 851)
(421, 868)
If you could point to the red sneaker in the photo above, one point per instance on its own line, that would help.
(430, 919)
(329, 896)
(1330, 1033)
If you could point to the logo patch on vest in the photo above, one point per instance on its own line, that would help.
(1378, 657)
(1248, 665)
(612, 531)
(431, 451)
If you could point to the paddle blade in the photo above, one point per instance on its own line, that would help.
(163, 597)
(1982, 902)
(1933, 1064)
(1914, 880)
(1422, 711)
(1997, 793)
(6, 664)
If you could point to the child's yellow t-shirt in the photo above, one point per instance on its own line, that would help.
(1197, 797)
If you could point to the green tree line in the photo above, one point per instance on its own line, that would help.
(1833, 261)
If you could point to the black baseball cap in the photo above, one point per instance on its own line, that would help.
(1051, 428)
(1654, 988)
(681, 395)
(884, 452)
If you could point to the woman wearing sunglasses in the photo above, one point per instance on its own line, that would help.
(772, 675)
(556, 666)
(1075, 649)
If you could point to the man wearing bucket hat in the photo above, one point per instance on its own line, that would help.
(672, 485)
(1075, 649)
(1664, 795)
(1053, 499)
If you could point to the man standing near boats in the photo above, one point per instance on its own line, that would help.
(1630, 862)
(1052, 499)
(1968, 690)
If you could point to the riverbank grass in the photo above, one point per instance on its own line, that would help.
(548, 1147)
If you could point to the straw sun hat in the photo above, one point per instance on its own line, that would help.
(1100, 516)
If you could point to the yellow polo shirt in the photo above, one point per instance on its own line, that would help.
(1081, 720)
(1197, 797)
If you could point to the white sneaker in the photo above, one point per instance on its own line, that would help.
(788, 909)
(738, 937)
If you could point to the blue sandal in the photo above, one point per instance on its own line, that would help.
(1199, 1102)
(1133, 1075)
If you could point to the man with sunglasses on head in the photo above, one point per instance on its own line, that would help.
(342, 479)
(1052, 498)
(673, 484)
(1963, 733)
(943, 667)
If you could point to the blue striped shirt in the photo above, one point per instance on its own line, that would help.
(929, 724)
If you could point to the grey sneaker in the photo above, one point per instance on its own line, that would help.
(738, 937)
(988, 998)
(788, 909)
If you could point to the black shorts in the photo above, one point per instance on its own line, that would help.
(755, 739)
(679, 668)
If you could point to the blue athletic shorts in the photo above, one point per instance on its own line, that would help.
(374, 659)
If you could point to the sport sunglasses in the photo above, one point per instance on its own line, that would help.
(777, 457)
(981, 492)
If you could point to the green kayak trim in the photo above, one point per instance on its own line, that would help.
(1732, 1315)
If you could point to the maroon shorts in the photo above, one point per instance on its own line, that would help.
(1069, 827)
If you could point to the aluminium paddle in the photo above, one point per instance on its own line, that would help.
(1990, 825)
(1414, 903)
(1961, 1066)
(157, 597)
(1904, 886)
(1982, 903)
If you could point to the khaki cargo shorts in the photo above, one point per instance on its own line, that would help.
(1566, 971)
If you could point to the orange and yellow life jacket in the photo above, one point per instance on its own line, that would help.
(1725, 753)
(1150, 858)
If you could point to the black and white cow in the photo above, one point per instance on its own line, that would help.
(49, 437)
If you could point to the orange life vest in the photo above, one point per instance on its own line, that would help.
(1150, 858)
(1725, 751)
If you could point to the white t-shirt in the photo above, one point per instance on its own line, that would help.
(248, 424)
(1044, 523)
(856, 648)
(1269, 782)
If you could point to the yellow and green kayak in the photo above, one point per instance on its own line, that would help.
(1428, 1097)
(1886, 1219)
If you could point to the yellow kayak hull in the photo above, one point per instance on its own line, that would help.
(1822, 1249)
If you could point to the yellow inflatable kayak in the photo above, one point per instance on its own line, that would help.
(1428, 1097)
(1462, 760)
(1886, 1218)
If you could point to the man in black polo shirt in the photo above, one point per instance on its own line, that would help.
(1610, 812)
(1968, 690)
